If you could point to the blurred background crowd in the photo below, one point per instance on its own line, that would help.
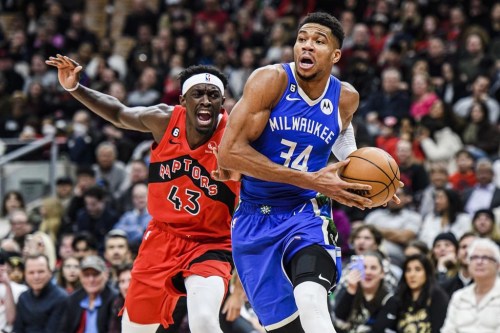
(428, 74)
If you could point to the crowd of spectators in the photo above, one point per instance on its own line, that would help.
(428, 74)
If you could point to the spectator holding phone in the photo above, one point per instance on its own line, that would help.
(357, 307)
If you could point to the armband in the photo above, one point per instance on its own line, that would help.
(345, 144)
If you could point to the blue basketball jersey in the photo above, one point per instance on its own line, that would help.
(299, 135)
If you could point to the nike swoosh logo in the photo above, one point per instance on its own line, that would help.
(288, 98)
(324, 279)
(174, 142)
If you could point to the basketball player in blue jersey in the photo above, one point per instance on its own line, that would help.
(279, 136)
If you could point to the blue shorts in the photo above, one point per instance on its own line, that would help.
(264, 241)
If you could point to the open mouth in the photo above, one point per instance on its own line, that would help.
(306, 62)
(204, 117)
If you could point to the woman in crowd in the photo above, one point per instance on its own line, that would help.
(11, 201)
(447, 216)
(479, 133)
(52, 213)
(419, 303)
(40, 242)
(68, 277)
(483, 224)
(444, 256)
(357, 307)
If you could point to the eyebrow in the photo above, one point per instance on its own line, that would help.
(315, 33)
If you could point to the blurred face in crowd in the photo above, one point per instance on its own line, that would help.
(94, 206)
(440, 202)
(483, 264)
(63, 191)
(117, 251)
(465, 162)
(474, 45)
(483, 224)
(403, 151)
(138, 172)
(124, 282)
(391, 80)
(439, 176)
(37, 274)
(484, 174)
(419, 85)
(93, 281)
(463, 247)
(140, 197)
(65, 248)
(19, 224)
(443, 248)
(82, 250)
(415, 275)
(12, 203)
(71, 269)
(374, 273)
(106, 156)
(364, 241)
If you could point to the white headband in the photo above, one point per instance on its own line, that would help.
(202, 78)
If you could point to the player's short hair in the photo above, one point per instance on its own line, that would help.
(199, 69)
(326, 20)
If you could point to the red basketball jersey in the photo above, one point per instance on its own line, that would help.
(182, 192)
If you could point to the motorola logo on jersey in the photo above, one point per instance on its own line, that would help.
(327, 106)
(175, 132)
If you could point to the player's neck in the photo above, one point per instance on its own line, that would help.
(196, 139)
(313, 88)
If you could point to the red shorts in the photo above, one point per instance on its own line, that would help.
(164, 260)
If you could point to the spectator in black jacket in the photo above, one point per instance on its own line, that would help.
(89, 309)
(41, 307)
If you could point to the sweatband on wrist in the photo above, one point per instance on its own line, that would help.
(345, 144)
(205, 78)
(74, 88)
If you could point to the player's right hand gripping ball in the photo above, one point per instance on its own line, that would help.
(375, 167)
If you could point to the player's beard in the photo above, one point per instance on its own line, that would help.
(307, 78)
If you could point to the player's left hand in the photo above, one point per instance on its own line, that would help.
(224, 174)
(395, 198)
(232, 307)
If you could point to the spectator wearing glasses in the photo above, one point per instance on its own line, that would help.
(475, 307)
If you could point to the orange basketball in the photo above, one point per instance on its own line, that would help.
(375, 167)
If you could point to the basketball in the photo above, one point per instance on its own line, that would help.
(375, 167)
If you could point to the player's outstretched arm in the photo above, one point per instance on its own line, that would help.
(247, 121)
(145, 119)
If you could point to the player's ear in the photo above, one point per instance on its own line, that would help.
(182, 100)
(223, 100)
(336, 55)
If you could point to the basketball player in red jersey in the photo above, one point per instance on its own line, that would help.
(186, 250)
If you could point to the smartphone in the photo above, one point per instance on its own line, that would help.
(358, 262)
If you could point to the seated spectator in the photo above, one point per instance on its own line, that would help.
(68, 276)
(422, 95)
(398, 225)
(447, 216)
(51, 213)
(462, 278)
(436, 135)
(444, 256)
(480, 86)
(15, 268)
(89, 308)
(438, 175)
(20, 227)
(137, 173)
(97, 217)
(82, 141)
(108, 169)
(475, 307)
(85, 179)
(41, 307)
(84, 245)
(485, 195)
(116, 251)
(418, 305)
(40, 242)
(64, 248)
(357, 306)
(123, 274)
(366, 238)
(483, 225)
(391, 100)
(64, 191)
(479, 134)
(135, 221)
(413, 174)
(464, 178)
(12, 200)
(9, 295)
